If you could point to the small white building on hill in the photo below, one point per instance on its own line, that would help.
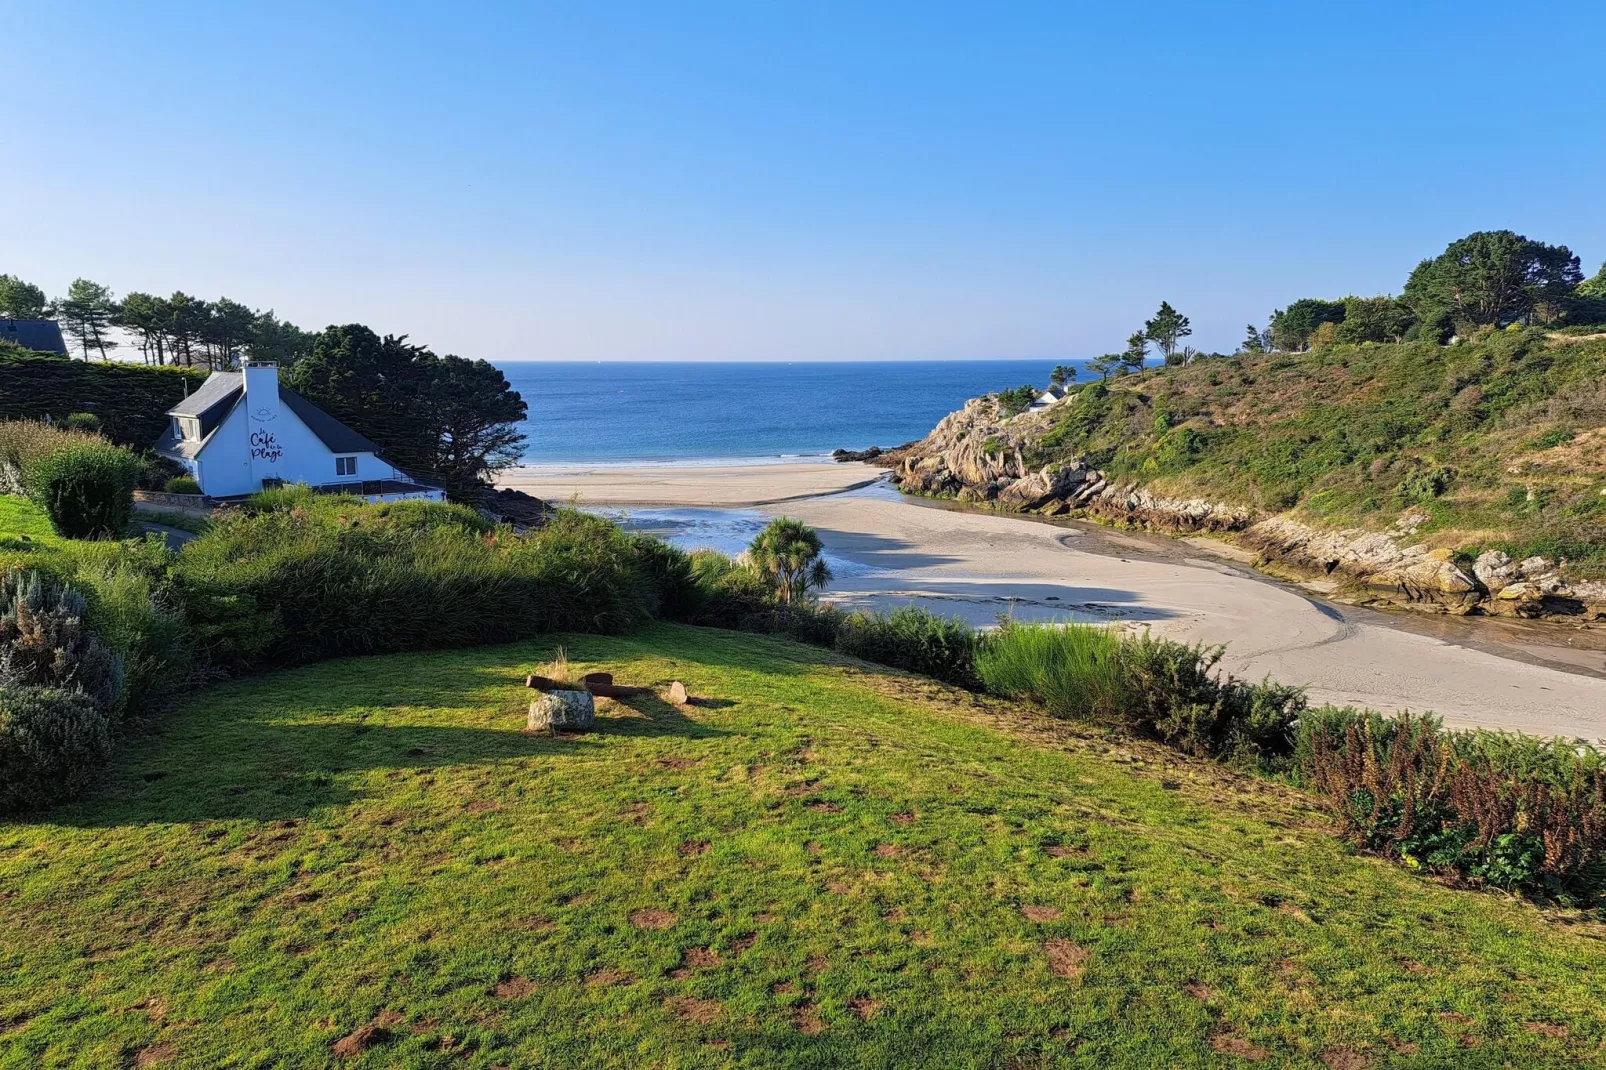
(1052, 396)
(243, 431)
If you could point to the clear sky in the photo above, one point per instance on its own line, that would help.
(683, 180)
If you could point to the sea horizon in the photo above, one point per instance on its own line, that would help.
(709, 413)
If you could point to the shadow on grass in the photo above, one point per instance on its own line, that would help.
(255, 756)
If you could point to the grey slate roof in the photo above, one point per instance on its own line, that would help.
(213, 400)
(43, 335)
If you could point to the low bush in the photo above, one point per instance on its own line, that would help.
(913, 639)
(51, 742)
(46, 642)
(1175, 693)
(86, 488)
(183, 485)
(1156, 688)
(294, 577)
(1509, 811)
(670, 572)
(81, 421)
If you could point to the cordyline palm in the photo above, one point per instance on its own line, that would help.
(788, 553)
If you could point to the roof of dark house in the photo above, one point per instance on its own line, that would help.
(214, 398)
(41, 335)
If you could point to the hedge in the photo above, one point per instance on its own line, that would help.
(131, 400)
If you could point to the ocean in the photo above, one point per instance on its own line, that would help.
(708, 412)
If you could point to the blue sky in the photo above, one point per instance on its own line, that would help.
(789, 181)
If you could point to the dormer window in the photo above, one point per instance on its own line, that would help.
(186, 428)
(345, 466)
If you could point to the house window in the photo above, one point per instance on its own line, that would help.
(345, 466)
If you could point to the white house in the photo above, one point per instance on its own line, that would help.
(1052, 396)
(243, 431)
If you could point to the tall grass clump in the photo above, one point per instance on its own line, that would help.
(913, 639)
(1073, 669)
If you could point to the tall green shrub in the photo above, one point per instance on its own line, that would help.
(914, 639)
(86, 488)
(51, 742)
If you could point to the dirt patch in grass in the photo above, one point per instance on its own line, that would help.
(1546, 1029)
(887, 850)
(677, 763)
(1059, 850)
(839, 888)
(1202, 993)
(906, 817)
(1040, 913)
(688, 1009)
(1228, 1044)
(1065, 957)
(701, 957)
(534, 923)
(808, 1021)
(652, 918)
(514, 988)
(609, 976)
(895, 914)
(692, 848)
(820, 806)
(864, 1007)
(1345, 1059)
(359, 1040)
(155, 1055)
(155, 1008)
(783, 988)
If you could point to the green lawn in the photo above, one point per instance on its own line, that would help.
(21, 519)
(816, 866)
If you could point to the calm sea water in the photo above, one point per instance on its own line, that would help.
(706, 412)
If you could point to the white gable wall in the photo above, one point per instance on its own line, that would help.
(246, 449)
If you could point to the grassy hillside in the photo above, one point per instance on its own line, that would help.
(366, 862)
(1501, 443)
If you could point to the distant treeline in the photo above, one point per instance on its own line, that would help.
(1490, 278)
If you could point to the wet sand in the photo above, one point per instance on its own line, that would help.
(889, 551)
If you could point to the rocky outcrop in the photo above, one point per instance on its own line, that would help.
(979, 455)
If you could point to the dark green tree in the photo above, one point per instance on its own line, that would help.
(446, 417)
(278, 340)
(22, 300)
(1136, 352)
(1166, 329)
(1494, 277)
(226, 331)
(1255, 340)
(87, 315)
(1595, 285)
(144, 317)
(1373, 319)
(1291, 328)
(1108, 363)
(1062, 374)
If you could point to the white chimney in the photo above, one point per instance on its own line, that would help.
(266, 437)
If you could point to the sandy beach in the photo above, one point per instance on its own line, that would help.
(889, 551)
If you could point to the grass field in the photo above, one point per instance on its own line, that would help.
(21, 519)
(367, 863)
